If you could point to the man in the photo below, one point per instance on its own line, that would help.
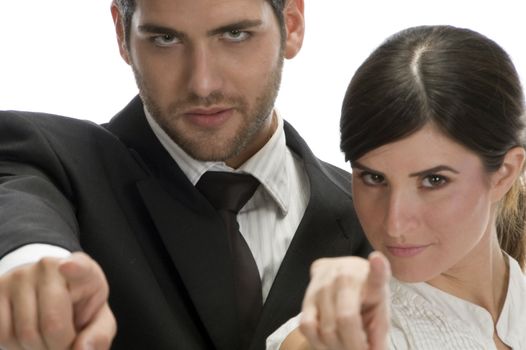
(128, 194)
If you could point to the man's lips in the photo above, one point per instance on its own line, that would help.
(406, 250)
(206, 111)
(209, 117)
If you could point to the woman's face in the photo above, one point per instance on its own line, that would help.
(424, 202)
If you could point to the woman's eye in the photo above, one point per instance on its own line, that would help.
(165, 40)
(372, 179)
(434, 181)
(236, 35)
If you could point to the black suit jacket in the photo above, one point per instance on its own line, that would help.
(114, 192)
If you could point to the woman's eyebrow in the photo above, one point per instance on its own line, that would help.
(357, 165)
(435, 169)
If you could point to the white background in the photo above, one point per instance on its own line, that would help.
(60, 56)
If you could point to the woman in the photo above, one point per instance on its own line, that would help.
(433, 126)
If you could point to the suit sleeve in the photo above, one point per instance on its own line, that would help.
(35, 195)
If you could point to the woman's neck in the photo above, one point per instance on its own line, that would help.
(481, 278)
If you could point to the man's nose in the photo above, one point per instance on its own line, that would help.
(204, 76)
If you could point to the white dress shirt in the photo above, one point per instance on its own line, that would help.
(269, 219)
(426, 318)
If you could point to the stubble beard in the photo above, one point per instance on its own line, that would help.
(209, 146)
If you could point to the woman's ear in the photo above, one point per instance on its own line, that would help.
(294, 21)
(510, 170)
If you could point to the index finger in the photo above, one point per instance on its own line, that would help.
(375, 290)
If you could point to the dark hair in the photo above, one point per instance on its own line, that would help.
(127, 8)
(458, 80)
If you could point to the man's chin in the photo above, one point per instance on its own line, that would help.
(210, 153)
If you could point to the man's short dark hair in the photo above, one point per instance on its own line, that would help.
(127, 8)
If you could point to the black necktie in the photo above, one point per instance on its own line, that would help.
(228, 193)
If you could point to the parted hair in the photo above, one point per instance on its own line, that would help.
(460, 81)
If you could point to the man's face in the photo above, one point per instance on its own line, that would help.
(208, 71)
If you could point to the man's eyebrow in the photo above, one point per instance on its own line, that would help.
(433, 170)
(241, 25)
(157, 29)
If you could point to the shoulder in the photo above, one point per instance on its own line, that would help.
(336, 175)
(43, 121)
(17, 127)
(56, 144)
(513, 315)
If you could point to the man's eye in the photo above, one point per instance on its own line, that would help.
(236, 35)
(165, 40)
(372, 179)
(434, 181)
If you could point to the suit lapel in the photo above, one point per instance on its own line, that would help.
(192, 232)
(319, 234)
(324, 231)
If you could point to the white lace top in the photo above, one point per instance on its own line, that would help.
(426, 318)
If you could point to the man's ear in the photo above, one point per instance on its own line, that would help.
(294, 20)
(119, 30)
(504, 178)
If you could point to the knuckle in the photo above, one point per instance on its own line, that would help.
(54, 326)
(328, 334)
(18, 276)
(5, 336)
(5, 324)
(114, 326)
(113, 322)
(349, 277)
(105, 289)
(103, 341)
(100, 294)
(323, 286)
(318, 264)
(308, 326)
(57, 332)
(348, 319)
(28, 336)
(314, 266)
(97, 274)
(47, 263)
(344, 278)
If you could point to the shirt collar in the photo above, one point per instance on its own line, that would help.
(510, 323)
(269, 165)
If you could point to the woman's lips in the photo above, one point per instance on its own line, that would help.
(406, 251)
